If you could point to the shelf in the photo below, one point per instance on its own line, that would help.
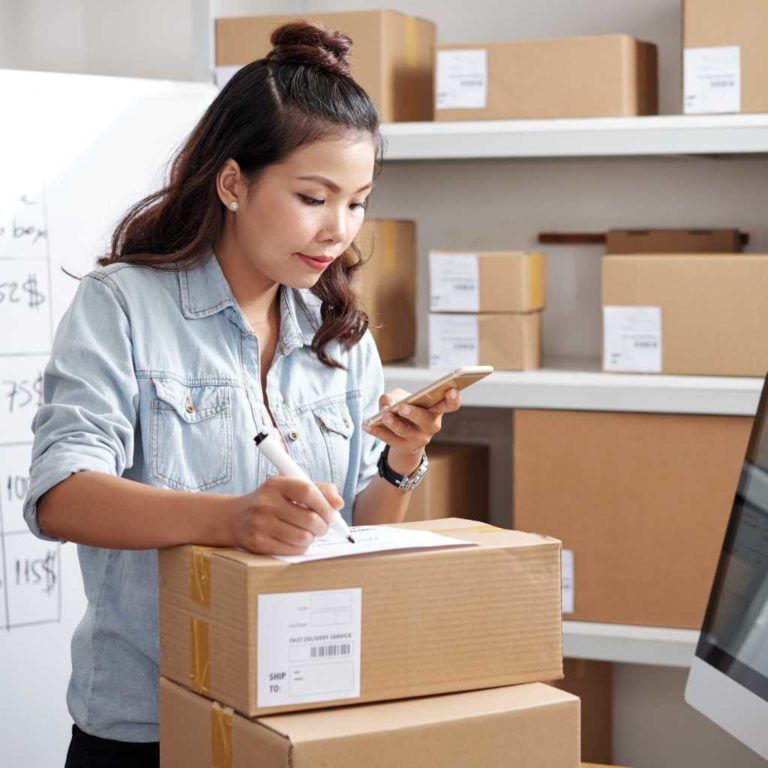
(628, 644)
(587, 137)
(578, 384)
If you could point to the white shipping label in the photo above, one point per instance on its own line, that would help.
(454, 282)
(453, 341)
(462, 79)
(569, 585)
(632, 339)
(308, 647)
(712, 80)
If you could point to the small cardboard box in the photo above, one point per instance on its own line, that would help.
(386, 284)
(455, 486)
(500, 281)
(505, 341)
(390, 626)
(686, 314)
(620, 241)
(725, 61)
(607, 75)
(392, 54)
(537, 724)
(640, 502)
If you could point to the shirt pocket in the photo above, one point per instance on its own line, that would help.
(336, 428)
(191, 434)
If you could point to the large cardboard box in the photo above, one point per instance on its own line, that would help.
(619, 241)
(607, 75)
(592, 682)
(686, 314)
(430, 621)
(509, 341)
(392, 55)
(725, 61)
(455, 486)
(640, 502)
(493, 281)
(386, 284)
(533, 725)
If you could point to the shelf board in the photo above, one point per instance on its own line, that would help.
(586, 137)
(629, 644)
(578, 384)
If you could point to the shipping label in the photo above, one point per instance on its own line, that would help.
(454, 282)
(632, 339)
(462, 79)
(712, 80)
(569, 585)
(453, 341)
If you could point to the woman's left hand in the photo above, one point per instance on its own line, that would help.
(409, 428)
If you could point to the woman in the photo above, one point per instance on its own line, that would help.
(223, 309)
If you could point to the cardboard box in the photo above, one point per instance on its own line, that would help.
(640, 502)
(392, 55)
(386, 284)
(607, 75)
(592, 682)
(500, 281)
(619, 241)
(539, 724)
(433, 621)
(700, 314)
(505, 341)
(725, 61)
(455, 486)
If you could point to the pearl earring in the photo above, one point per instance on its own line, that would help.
(233, 206)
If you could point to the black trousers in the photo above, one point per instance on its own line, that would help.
(86, 751)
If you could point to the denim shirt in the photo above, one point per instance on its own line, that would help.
(154, 376)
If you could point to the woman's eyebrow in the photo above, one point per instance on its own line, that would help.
(328, 183)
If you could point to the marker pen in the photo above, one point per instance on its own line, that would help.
(285, 465)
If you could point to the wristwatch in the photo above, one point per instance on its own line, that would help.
(404, 482)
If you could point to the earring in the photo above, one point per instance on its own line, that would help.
(234, 205)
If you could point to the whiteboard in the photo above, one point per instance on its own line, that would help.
(75, 152)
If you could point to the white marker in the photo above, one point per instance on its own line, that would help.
(285, 465)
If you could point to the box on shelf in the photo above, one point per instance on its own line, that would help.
(392, 55)
(538, 723)
(592, 682)
(606, 75)
(510, 341)
(621, 241)
(433, 621)
(496, 281)
(725, 61)
(640, 502)
(455, 486)
(686, 314)
(386, 284)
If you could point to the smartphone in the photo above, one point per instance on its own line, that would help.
(433, 393)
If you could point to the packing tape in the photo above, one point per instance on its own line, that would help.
(479, 528)
(411, 41)
(221, 736)
(389, 244)
(200, 576)
(199, 656)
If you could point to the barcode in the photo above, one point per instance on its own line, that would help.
(463, 345)
(722, 83)
(327, 651)
(463, 286)
(646, 344)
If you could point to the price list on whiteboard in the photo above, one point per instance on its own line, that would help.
(30, 570)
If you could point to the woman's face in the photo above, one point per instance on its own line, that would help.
(301, 214)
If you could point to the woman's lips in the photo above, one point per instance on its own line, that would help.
(318, 263)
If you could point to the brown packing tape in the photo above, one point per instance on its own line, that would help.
(221, 736)
(411, 41)
(200, 576)
(389, 246)
(199, 656)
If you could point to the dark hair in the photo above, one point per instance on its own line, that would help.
(299, 93)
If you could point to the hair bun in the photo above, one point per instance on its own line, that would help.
(311, 45)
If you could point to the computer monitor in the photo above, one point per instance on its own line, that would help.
(728, 681)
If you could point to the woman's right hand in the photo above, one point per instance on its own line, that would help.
(283, 516)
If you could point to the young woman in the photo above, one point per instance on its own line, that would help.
(223, 309)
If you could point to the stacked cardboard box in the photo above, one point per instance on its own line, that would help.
(246, 639)
(386, 284)
(392, 55)
(485, 308)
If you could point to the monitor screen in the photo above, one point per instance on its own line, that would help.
(734, 637)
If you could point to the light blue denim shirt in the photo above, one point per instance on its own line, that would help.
(154, 376)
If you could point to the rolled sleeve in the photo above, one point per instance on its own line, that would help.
(90, 395)
(372, 379)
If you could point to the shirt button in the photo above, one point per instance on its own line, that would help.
(188, 405)
(293, 435)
